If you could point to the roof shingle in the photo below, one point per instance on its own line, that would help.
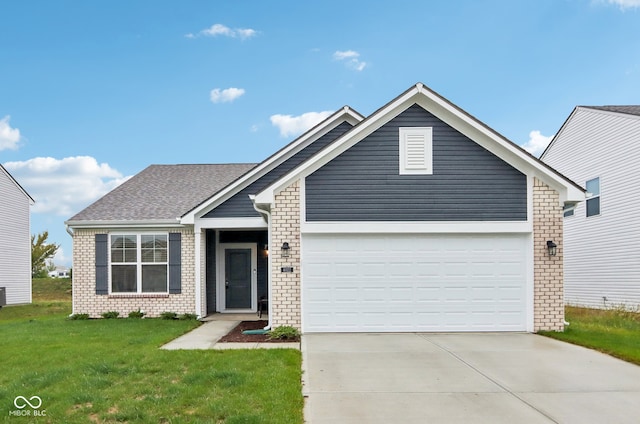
(629, 110)
(162, 192)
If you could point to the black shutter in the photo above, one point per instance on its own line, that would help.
(175, 266)
(102, 264)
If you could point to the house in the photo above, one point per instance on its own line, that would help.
(597, 146)
(15, 240)
(59, 272)
(416, 218)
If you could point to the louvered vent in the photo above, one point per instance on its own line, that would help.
(415, 150)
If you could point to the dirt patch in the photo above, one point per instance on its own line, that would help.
(236, 336)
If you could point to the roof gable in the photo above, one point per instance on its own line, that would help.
(345, 114)
(15, 182)
(448, 113)
(584, 116)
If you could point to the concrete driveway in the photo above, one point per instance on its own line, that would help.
(463, 378)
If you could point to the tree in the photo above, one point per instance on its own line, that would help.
(40, 252)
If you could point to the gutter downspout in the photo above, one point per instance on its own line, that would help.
(267, 216)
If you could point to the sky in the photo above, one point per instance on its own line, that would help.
(93, 92)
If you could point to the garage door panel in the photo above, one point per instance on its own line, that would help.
(414, 282)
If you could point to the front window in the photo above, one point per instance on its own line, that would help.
(139, 263)
(593, 201)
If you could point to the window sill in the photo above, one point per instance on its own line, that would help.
(139, 296)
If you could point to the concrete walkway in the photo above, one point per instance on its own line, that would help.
(207, 335)
(463, 378)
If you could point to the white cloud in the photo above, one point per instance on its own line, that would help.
(537, 143)
(294, 125)
(351, 59)
(218, 95)
(625, 4)
(9, 137)
(64, 186)
(224, 31)
(60, 257)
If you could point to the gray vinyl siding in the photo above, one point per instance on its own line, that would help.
(15, 241)
(468, 182)
(601, 252)
(240, 206)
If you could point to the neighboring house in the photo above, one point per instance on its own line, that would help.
(598, 147)
(59, 272)
(15, 240)
(417, 218)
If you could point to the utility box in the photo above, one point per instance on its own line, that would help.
(3, 296)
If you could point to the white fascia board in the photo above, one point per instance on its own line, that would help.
(230, 223)
(501, 147)
(345, 114)
(448, 113)
(388, 227)
(152, 223)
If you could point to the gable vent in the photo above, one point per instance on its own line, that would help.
(416, 150)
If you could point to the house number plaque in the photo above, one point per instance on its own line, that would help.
(286, 269)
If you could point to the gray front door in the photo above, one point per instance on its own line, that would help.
(237, 265)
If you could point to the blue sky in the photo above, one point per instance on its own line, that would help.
(92, 92)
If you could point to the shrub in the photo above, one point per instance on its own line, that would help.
(168, 315)
(136, 314)
(284, 332)
(110, 314)
(188, 317)
(78, 317)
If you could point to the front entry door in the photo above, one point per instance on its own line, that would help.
(238, 278)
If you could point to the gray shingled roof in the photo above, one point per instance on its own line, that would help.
(629, 110)
(162, 192)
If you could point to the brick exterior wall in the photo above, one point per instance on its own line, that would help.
(548, 298)
(85, 299)
(285, 286)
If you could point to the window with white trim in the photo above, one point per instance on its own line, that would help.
(139, 263)
(593, 199)
(416, 156)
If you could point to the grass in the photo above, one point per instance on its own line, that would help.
(51, 298)
(112, 371)
(614, 331)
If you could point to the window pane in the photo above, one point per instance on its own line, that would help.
(123, 248)
(568, 212)
(154, 248)
(593, 206)
(154, 278)
(123, 278)
(593, 187)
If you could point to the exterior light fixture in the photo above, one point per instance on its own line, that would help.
(551, 247)
(285, 249)
(266, 249)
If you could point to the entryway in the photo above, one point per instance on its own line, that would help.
(236, 270)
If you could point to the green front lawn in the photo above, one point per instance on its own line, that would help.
(113, 371)
(615, 332)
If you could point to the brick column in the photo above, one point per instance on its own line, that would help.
(285, 286)
(548, 298)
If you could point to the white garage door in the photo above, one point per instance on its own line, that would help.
(408, 282)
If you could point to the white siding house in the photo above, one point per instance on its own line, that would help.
(599, 148)
(15, 240)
